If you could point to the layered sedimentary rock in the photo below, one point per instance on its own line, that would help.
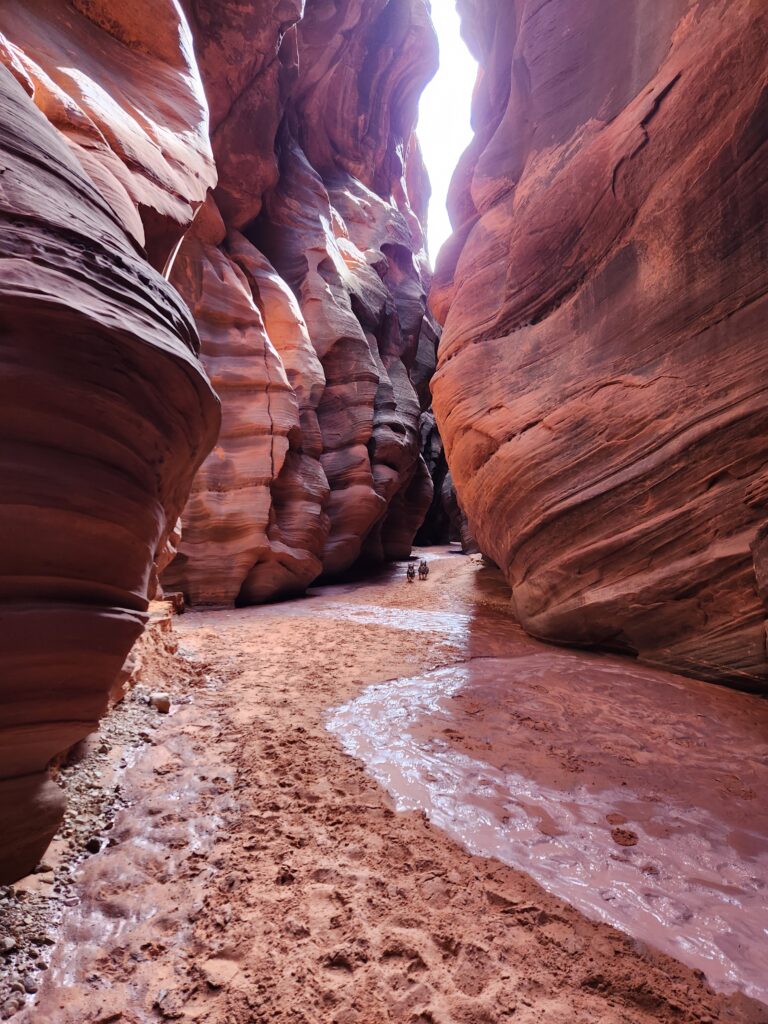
(307, 275)
(602, 386)
(119, 81)
(105, 412)
(305, 270)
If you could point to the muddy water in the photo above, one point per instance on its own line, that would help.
(635, 795)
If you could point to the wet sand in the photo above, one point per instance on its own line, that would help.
(260, 874)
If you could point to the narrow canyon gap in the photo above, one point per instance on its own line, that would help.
(231, 379)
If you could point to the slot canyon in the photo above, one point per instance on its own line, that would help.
(256, 769)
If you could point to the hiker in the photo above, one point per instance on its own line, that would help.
(411, 574)
(423, 569)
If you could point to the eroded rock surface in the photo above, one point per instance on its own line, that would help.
(261, 158)
(602, 379)
(307, 276)
(105, 413)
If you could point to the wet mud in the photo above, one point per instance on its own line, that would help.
(633, 794)
(258, 874)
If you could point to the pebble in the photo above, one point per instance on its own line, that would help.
(624, 837)
(161, 702)
(30, 985)
(93, 845)
(7, 943)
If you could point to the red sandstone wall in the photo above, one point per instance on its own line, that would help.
(308, 277)
(260, 157)
(602, 387)
(105, 413)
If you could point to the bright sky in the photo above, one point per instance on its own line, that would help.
(444, 128)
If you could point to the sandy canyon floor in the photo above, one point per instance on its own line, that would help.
(256, 872)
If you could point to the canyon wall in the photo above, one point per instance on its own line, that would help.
(602, 383)
(307, 276)
(253, 163)
(105, 412)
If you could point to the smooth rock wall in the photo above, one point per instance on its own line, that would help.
(261, 157)
(105, 415)
(602, 387)
(312, 311)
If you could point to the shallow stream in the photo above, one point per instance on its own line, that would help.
(635, 795)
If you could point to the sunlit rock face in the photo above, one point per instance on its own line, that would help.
(307, 276)
(260, 157)
(603, 374)
(120, 83)
(105, 412)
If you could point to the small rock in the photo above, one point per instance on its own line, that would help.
(7, 944)
(43, 868)
(93, 845)
(624, 837)
(30, 985)
(219, 972)
(16, 985)
(161, 702)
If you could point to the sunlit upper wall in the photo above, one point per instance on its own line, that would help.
(444, 116)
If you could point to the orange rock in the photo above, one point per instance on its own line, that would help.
(306, 271)
(307, 274)
(105, 412)
(602, 378)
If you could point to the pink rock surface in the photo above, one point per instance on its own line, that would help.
(306, 273)
(105, 413)
(602, 378)
(120, 83)
(311, 300)
(254, 522)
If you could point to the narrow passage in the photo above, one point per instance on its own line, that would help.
(258, 873)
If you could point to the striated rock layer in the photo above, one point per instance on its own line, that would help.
(602, 387)
(261, 158)
(307, 277)
(105, 413)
